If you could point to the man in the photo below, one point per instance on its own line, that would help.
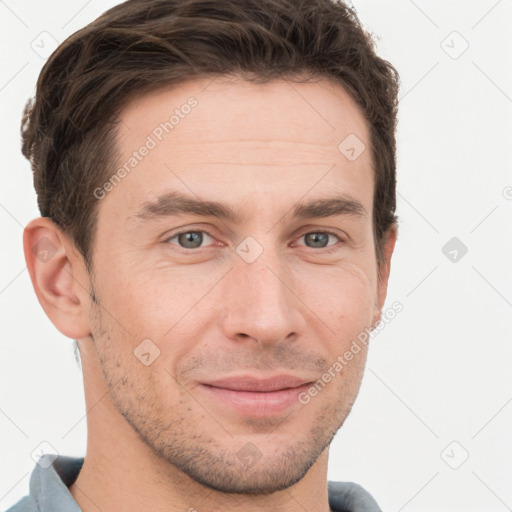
(216, 181)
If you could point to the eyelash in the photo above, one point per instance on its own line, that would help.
(327, 249)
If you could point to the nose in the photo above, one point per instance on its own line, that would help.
(260, 302)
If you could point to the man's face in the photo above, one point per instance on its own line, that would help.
(262, 294)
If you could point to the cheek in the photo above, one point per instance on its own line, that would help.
(344, 301)
(159, 304)
(345, 296)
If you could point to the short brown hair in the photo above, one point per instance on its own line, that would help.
(69, 130)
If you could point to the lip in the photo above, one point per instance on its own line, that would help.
(255, 396)
(249, 383)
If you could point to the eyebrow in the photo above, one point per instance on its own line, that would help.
(177, 203)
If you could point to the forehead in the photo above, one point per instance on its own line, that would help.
(228, 139)
(234, 109)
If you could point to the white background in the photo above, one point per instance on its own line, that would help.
(440, 371)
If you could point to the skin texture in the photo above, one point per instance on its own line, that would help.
(156, 436)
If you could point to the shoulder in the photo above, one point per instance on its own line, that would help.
(25, 504)
(351, 497)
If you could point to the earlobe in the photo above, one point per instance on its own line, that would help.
(58, 277)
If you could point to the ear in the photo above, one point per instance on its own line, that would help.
(384, 270)
(59, 277)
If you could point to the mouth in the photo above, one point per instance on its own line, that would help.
(257, 397)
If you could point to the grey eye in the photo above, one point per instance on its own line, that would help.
(318, 239)
(189, 239)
